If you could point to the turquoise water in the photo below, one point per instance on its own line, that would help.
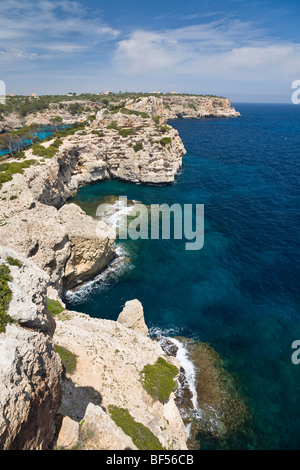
(43, 134)
(240, 292)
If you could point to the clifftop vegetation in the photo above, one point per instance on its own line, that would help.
(25, 105)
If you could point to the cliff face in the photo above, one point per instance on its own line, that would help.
(128, 147)
(59, 248)
(166, 106)
(30, 370)
(110, 358)
(180, 106)
(110, 361)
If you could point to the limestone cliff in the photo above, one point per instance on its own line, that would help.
(110, 360)
(30, 370)
(189, 106)
(57, 247)
(168, 106)
(120, 145)
(110, 357)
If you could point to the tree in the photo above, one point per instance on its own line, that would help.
(7, 142)
(75, 108)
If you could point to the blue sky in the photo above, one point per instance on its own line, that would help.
(248, 51)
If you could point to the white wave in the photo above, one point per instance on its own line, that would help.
(115, 213)
(182, 356)
(189, 368)
(112, 214)
(163, 333)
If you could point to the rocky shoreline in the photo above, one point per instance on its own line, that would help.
(57, 248)
(172, 107)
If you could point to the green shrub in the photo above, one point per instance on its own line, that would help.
(4, 166)
(123, 131)
(126, 131)
(75, 108)
(19, 155)
(42, 151)
(138, 146)
(5, 297)
(141, 436)
(54, 307)
(38, 149)
(193, 106)
(50, 151)
(135, 113)
(14, 262)
(164, 129)
(113, 125)
(158, 379)
(156, 119)
(68, 359)
(165, 140)
(98, 133)
(57, 143)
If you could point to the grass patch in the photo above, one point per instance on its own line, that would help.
(7, 170)
(49, 152)
(68, 359)
(123, 131)
(98, 133)
(54, 307)
(135, 113)
(141, 436)
(158, 379)
(14, 262)
(5, 296)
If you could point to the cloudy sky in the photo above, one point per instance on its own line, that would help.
(248, 51)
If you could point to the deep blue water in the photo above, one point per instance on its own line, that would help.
(240, 292)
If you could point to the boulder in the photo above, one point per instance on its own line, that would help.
(100, 432)
(68, 437)
(90, 252)
(132, 316)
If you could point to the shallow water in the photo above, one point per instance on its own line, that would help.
(240, 292)
(45, 132)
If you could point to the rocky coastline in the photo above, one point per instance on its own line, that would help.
(55, 248)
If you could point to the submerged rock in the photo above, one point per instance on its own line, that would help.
(210, 401)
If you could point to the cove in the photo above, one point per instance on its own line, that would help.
(44, 133)
(240, 293)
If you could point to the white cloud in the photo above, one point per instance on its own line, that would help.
(232, 50)
(60, 26)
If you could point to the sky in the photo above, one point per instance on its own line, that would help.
(248, 51)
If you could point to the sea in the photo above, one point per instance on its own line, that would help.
(241, 292)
